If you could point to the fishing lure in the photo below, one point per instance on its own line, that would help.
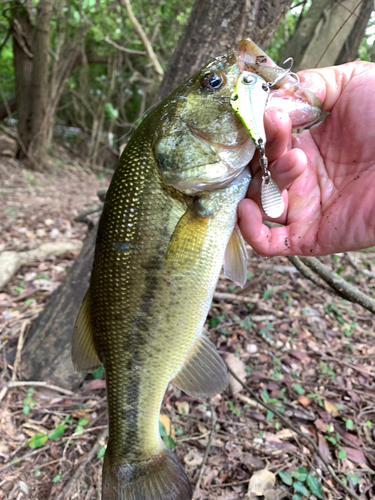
(249, 100)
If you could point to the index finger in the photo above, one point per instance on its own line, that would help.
(329, 83)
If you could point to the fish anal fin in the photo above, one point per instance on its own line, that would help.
(235, 259)
(204, 372)
(84, 356)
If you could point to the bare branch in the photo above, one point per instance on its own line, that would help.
(142, 35)
(342, 287)
(124, 49)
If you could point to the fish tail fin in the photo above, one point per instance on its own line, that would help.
(159, 478)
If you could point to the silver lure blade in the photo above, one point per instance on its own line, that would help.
(270, 199)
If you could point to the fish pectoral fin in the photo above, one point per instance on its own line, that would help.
(204, 372)
(235, 259)
(188, 237)
(84, 356)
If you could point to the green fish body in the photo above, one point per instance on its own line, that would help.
(168, 222)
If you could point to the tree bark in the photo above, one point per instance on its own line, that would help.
(349, 51)
(322, 33)
(46, 355)
(39, 82)
(215, 28)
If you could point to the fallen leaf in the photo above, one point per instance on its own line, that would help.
(182, 407)
(355, 456)
(239, 368)
(324, 448)
(304, 401)
(331, 408)
(166, 421)
(320, 425)
(193, 458)
(261, 482)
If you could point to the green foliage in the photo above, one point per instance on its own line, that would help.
(28, 402)
(302, 482)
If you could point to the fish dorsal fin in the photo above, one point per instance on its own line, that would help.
(204, 372)
(84, 356)
(235, 259)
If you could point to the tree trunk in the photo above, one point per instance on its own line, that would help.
(47, 352)
(322, 33)
(349, 51)
(217, 28)
(22, 31)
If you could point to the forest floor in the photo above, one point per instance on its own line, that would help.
(300, 349)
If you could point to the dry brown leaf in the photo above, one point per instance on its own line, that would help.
(182, 407)
(320, 425)
(324, 448)
(355, 456)
(304, 401)
(261, 482)
(193, 458)
(166, 421)
(331, 408)
(239, 368)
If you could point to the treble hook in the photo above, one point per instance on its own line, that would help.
(287, 71)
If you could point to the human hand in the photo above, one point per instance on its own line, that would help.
(327, 172)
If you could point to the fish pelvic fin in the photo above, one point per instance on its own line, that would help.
(204, 372)
(160, 478)
(235, 259)
(84, 356)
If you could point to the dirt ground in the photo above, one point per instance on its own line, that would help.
(299, 348)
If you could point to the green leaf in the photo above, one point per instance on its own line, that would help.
(37, 473)
(296, 497)
(60, 428)
(83, 421)
(269, 415)
(349, 424)
(111, 111)
(101, 452)
(56, 478)
(285, 477)
(162, 430)
(38, 440)
(169, 441)
(97, 374)
(354, 478)
(26, 409)
(300, 474)
(342, 454)
(79, 429)
(301, 488)
(299, 389)
(315, 486)
(214, 322)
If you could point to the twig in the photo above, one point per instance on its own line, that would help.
(212, 432)
(290, 426)
(24, 457)
(15, 383)
(64, 493)
(142, 35)
(124, 49)
(341, 286)
(19, 349)
(305, 271)
(90, 210)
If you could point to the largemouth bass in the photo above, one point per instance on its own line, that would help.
(168, 222)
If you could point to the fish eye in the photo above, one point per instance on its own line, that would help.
(212, 81)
